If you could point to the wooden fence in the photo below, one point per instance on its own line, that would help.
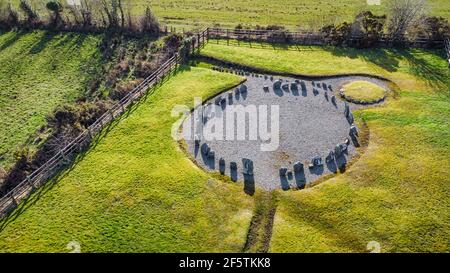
(447, 50)
(306, 37)
(80, 143)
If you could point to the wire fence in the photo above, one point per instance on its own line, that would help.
(66, 155)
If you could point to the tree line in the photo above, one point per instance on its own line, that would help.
(88, 16)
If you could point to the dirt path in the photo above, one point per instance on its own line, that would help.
(260, 230)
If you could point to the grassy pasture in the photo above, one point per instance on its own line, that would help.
(398, 192)
(136, 191)
(190, 14)
(363, 91)
(39, 71)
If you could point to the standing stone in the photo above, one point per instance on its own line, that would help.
(316, 161)
(347, 109)
(266, 88)
(326, 95)
(247, 166)
(277, 85)
(222, 166)
(294, 86)
(313, 83)
(211, 154)
(285, 87)
(353, 131)
(218, 100)
(243, 88)
(283, 171)
(350, 117)
(205, 149)
(298, 167)
(324, 86)
(330, 157)
(333, 99)
(338, 150)
(233, 166)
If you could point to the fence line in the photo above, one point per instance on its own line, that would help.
(447, 50)
(306, 37)
(41, 175)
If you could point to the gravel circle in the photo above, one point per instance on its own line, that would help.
(310, 125)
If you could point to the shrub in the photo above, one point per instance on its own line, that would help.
(432, 28)
(30, 13)
(172, 42)
(56, 9)
(337, 35)
(369, 27)
(149, 24)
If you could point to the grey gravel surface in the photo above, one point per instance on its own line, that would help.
(310, 125)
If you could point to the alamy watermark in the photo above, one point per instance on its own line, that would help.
(218, 121)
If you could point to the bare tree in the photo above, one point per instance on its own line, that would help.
(404, 14)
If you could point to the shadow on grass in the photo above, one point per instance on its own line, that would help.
(263, 45)
(11, 40)
(65, 170)
(314, 216)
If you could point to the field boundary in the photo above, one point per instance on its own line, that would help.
(309, 37)
(66, 155)
(447, 50)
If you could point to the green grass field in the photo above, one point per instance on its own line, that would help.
(136, 190)
(39, 71)
(398, 192)
(190, 14)
(363, 91)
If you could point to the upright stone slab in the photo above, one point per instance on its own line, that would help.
(266, 88)
(277, 85)
(233, 166)
(353, 131)
(283, 171)
(350, 117)
(205, 149)
(243, 88)
(247, 166)
(346, 109)
(298, 167)
(294, 86)
(218, 100)
(333, 99)
(222, 166)
(330, 157)
(211, 154)
(316, 161)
